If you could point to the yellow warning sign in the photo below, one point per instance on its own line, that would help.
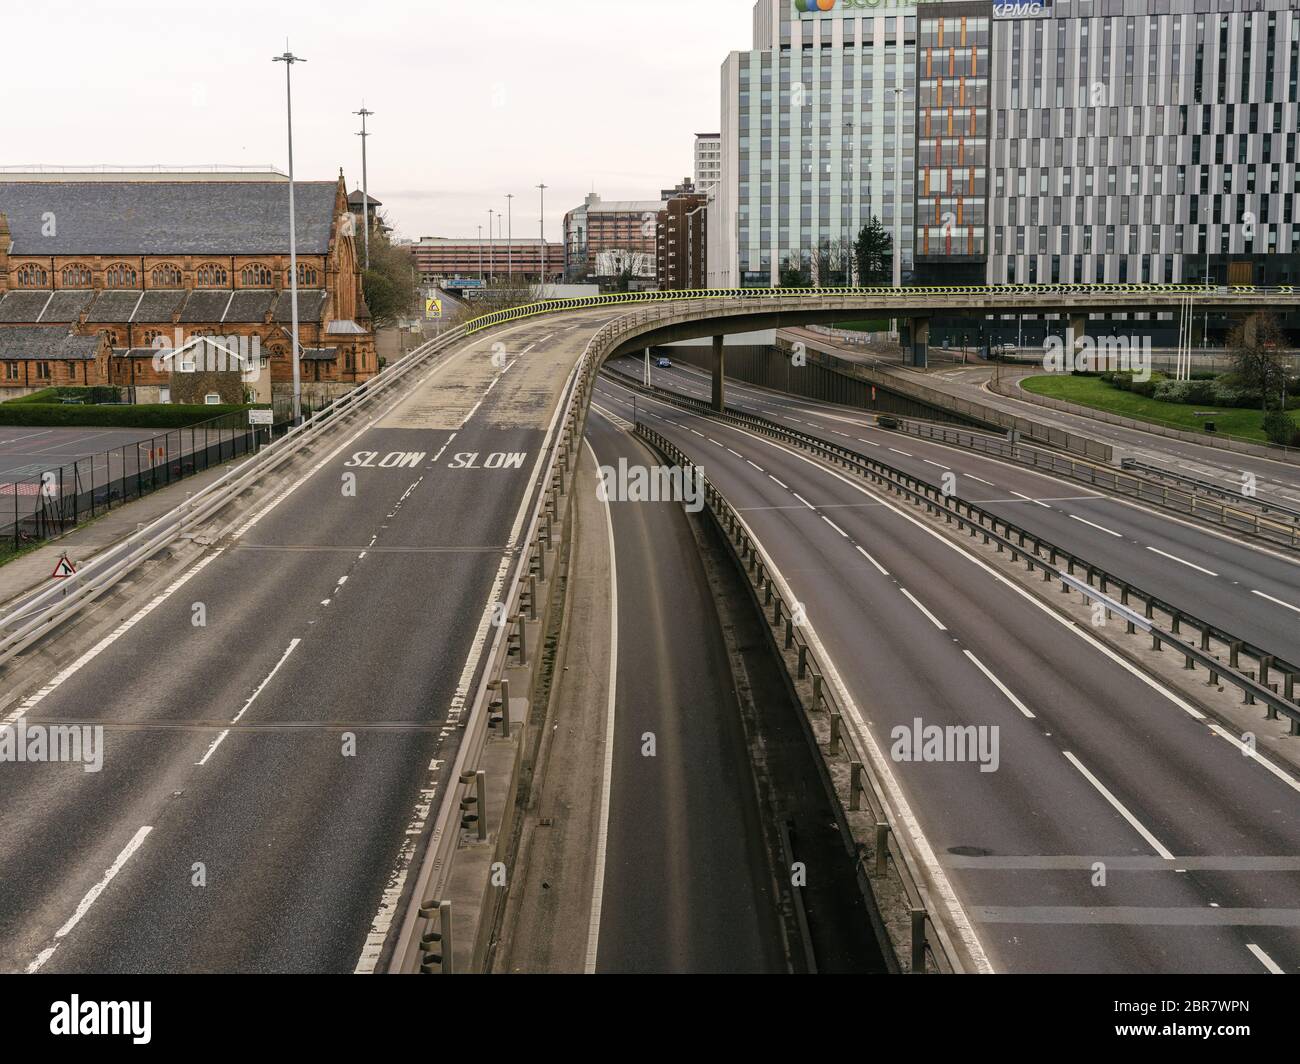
(433, 309)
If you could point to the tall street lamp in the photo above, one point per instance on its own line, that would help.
(480, 254)
(288, 59)
(365, 187)
(491, 249)
(510, 239)
(541, 271)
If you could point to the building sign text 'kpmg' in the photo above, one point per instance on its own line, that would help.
(848, 8)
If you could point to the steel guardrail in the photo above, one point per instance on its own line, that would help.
(1211, 488)
(931, 937)
(35, 615)
(1255, 685)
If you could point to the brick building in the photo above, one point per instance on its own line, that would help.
(142, 261)
(681, 250)
(439, 259)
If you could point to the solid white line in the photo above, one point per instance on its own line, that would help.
(1000, 685)
(1253, 754)
(1268, 962)
(1181, 561)
(92, 896)
(873, 561)
(607, 769)
(1138, 826)
(1276, 600)
(63, 676)
(1099, 528)
(261, 686)
(916, 602)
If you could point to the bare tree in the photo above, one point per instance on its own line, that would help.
(1256, 345)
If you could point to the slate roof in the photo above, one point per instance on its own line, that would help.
(320, 354)
(311, 305)
(205, 305)
(159, 305)
(250, 304)
(23, 306)
(167, 217)
(46, 341)
(67, 305)
(112, 306)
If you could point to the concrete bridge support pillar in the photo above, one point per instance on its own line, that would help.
(1078, 330)
(919, 347)
(719, 387)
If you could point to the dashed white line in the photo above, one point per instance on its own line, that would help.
(920, 606)
(1099, 528)
(269, 676)
(803, 500)
(1182, 561)
(92, 896)
(784, 485)
(908, 454)
(835, 526)
(980, 479)
(1000, 685)
(1268, 962)
(873, 561)
(1119, 806)
(1276, 600)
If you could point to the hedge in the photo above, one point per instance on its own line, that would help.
(92, 394)
(151, 416)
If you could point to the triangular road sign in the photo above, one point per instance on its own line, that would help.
(64, 568)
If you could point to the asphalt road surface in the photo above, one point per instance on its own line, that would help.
(1250, 591)
(1116, 831)
(267, 774)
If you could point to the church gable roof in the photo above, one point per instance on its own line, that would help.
(167, 217)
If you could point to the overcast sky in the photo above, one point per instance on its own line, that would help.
(472, 98)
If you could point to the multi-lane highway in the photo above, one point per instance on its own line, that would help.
(1114, 830)
(1246, 589)
(279, 717)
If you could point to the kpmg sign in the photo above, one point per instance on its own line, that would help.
(1002, 9)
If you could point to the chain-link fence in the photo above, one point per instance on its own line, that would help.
(47, 504)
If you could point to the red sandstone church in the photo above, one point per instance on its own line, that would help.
(94, 268)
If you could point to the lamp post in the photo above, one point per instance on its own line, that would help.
(510, 239)
(491, 249)
(365, 186)
(480, 254)
(288, 59)
(898, 194)
(541, 270)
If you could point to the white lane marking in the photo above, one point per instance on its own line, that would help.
(980, 479)
(269, 676)
(755, 465)
(835, 526)
(784, 485)
(92, 896)
(1253, 754)
(607, 768)
(803, 500)
(401, 867)
(897, 451)
(1123, 811)
(64, 675)
(1027, 498)
(1181, 561)
(736, 453)
(873, 561)
(1028, 597)
(867, 442)
(1268, 962)
(917, 603)
(212, 749)
(1099, 528)
(1276, 600)
(940, 465)
(1000, 685)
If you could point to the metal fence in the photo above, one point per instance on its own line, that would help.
(47, 504)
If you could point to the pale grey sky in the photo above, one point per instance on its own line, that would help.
(472, 98)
